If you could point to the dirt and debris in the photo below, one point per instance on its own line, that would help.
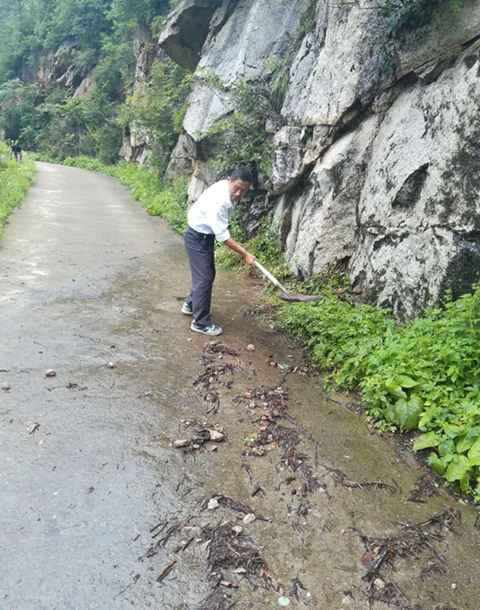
(413, 541)
(164, 533)
(301, 593)
(199, 435)
(425, 486)
(50, 373)
(166, 570)
(240, 508)
(219, 600)
(6, 387)
(340, 478)
(214, 373)
(232, 557)
(215, 347)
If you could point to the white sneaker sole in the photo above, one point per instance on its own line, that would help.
(186, 312)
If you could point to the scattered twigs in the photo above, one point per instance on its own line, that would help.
(214, 373)
(340, 478)
(232, 551)
(411, 542)
(249, 472)
(219, 600)
(166, 570)
(424, 488)
(159, 530)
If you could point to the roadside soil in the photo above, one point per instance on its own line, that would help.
(142, 465)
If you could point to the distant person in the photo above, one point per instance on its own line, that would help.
(13, 150)
(209, 218)
(16, 150)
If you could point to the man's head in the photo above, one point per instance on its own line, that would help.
(238, 183)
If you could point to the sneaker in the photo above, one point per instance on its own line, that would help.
(187, 309)
(211, 330)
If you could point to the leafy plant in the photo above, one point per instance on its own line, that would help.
(240, 138)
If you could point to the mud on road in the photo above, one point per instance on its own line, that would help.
(159, 470)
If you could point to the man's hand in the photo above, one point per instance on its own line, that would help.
(249, 259)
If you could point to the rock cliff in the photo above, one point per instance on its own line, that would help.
(376, 149)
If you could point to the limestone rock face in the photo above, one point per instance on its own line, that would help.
(136, 141)
(255, 33)
(376, 151)
(84, 90)
(186, 30)
(420, 204)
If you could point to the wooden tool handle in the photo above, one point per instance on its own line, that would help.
(268, 275)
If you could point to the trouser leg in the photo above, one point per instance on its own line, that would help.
(200, 250)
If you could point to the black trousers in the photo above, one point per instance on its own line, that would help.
(200, 250)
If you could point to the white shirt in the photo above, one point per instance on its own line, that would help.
(212, 211)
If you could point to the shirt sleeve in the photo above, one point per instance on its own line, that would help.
(217, 219)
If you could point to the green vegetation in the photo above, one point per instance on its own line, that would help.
(68, 40)
(15, 178)
(405, 15)
(159, 109)
(423, 374)
(240, 138)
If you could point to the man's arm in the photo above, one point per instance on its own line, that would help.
(236, 247)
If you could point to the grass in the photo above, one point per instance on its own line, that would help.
(15, 179)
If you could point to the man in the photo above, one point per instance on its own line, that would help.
(208, 218)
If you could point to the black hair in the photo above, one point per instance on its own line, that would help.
(241, 173)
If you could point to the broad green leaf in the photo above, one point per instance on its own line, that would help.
(395, 388)
(465, 482)
(390, 414)
(430, 439)
(416, 401)
(463, 444)
(452, 430)
(406, 382)
(436, 463)
(457, 469)
(474, 454)
(447, 449)
(408, 413)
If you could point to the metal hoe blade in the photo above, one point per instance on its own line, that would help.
(285, 295)
(299, 298)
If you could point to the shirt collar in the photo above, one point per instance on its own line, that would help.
(229, 201)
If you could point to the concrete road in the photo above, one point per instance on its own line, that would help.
(91, 287)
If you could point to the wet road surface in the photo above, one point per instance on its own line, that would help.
(90, 287)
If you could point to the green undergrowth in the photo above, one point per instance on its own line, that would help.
(423, 374)
(159, 198)
(15, 179)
